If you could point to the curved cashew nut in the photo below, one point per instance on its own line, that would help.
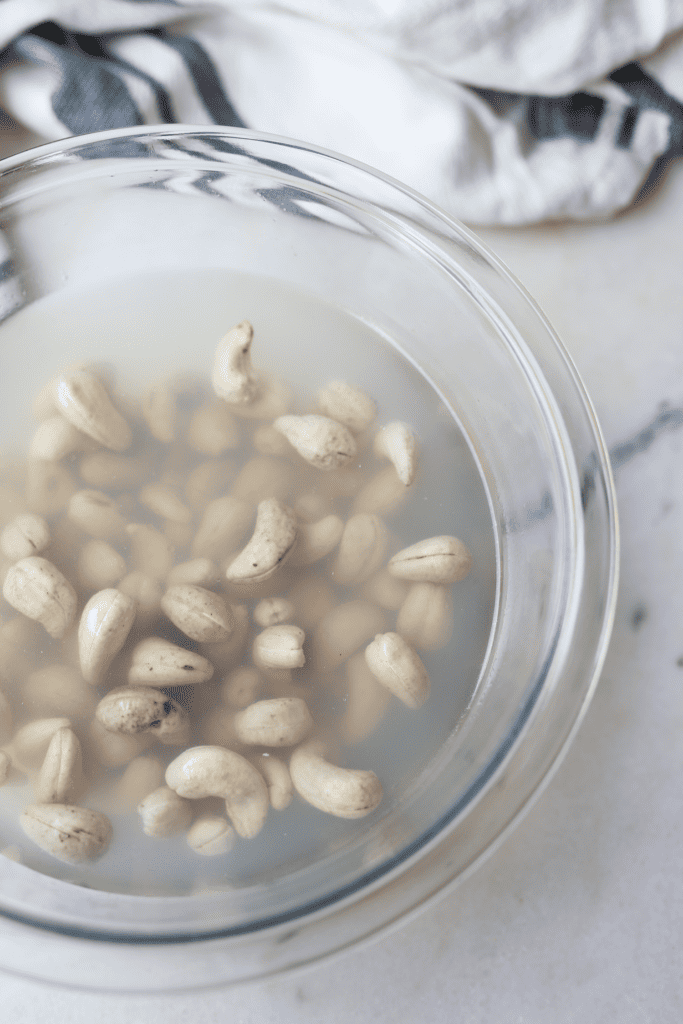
(201, 614)
(278, 780)
(233, 377)
(103, 629)
(346, 404)
(210, 836)
(71, 834)
(322, 442)
(280, 647)
(316, 540)
(434, 560)
(395, 664)
(83, 400)
(361, 549)
(280, 722)
(37, 589)
(27, 534)
(164, 813)
(396, 442)
(344, 792)
(216, 771)
(143, 709)
(272, 541)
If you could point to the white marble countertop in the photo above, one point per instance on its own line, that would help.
(578, 917)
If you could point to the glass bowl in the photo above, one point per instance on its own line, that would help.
(170, 201)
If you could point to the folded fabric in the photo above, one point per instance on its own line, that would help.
(501, 111)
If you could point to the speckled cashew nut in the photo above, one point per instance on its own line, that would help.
(83, 400)
(280, 647)
(233, 377)
(158, 662)
(344, 792)
(434, 560)
(215, 771)
(164, 813)
(319, 440)
(281, 722)
(395, 664)
(144, 710)
(71, 834)
(37, 589)
(346, 404)
(27, 534)
(211, 836)
(60, 774)
(273, 539)
(103, 629)
(200, 614)
(396, 442)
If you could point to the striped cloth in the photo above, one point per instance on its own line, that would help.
(501, 111)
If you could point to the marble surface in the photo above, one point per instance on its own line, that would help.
(578, 917)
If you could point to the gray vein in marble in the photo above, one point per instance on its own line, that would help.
(667, 419)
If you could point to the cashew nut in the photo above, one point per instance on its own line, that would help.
(60, 774)
(160, 409)
(142, 776)
(105, 624)
(272, 611)
(280, 647)
(396, 665)
(27, 534)
(366, 702)
(97, 514)
(146, 593)
(344, 792)
(268, 441)
(312, 598)
(383, 494)
(213, 429)
(29, 744)
(58, 689)
(100, 565)
(273, 399)
(342, 631)
(316, 540)
(49, 486)
(144, 709)
(233, 377)
(199, 572)
(241, 687)
(206, 481)
(272, 541)
(386, 590)
(224, 524)
(83, 400)
(37, 589)
(434, 560)
(211, 836)
(425, 618)
(346, 404)
(263, 477)
(281, 722)
(163, 500)
(6, 718)
(158, 662)
(396, 442)
(55, 438)
(319, 440)
(198, 613)
(113, 749)
(164, 813)
(278, 780)
(214, 771)
(151, 552)
(71, 834)
(361, 549)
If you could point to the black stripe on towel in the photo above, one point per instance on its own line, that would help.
(648, 94)
(205, 77)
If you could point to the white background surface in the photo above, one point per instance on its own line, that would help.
(579, 916)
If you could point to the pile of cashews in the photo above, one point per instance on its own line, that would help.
(184, 592)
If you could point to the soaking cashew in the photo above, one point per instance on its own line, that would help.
(344, 792)
(142, 776)
(99, 565)
(164, 813)
(29, 744)
(146, 593)
(83, 400)
(55, 438)
(58, 689)
(434, 560)
(366, 702)
(361, 549)
(396, 665)
(199, 572)
(211, 836)
(118, 472)
(214, 771)
(224, 525)
(144, 709)
(233, 377)
(268, 441)
(96, 513)
(151, 552)
(281, 722)
(342, 631)
(160, 409)
(27, 534)
(213, 429)
(113, 749)
(37, 589)
(316, 540)
(60, 775)
(206, 481)
(6, 718)
(241, 687)
(49, 486)
(105, 624)
(158, 662)
(164, 501)
(279, 647)
(278, 780)
(198, 613)
(383, 494)
(425, 618)
(71, 834)
(346, 404)
(319, 440)
(396, 442)
(386, 590)
(272, 541)
(272, 611)
(263, 477)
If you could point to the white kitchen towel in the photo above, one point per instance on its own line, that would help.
(501, 111)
